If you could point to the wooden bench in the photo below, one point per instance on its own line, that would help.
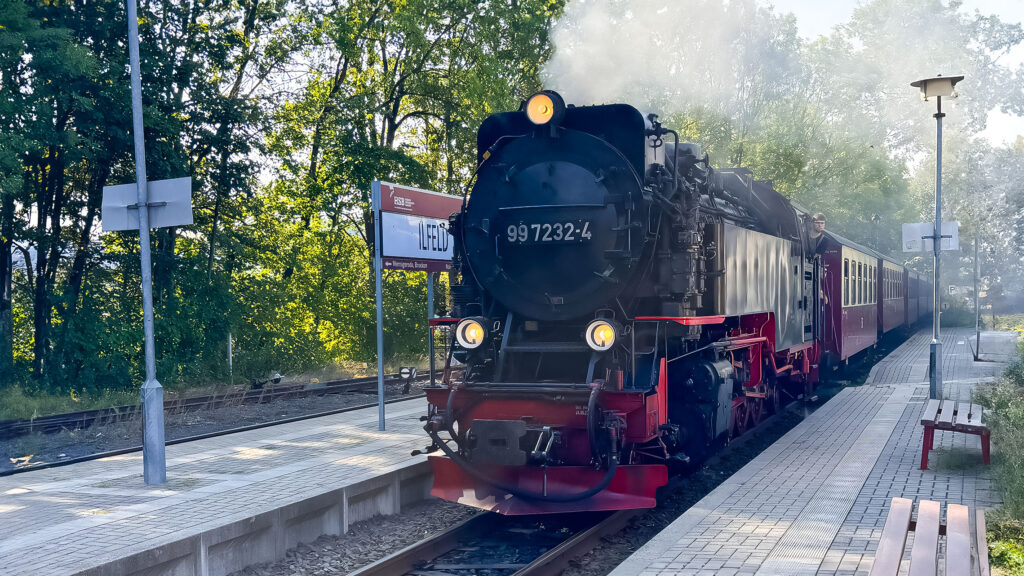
(924, 557)
(956, 417)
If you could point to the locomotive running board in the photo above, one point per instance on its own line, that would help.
(634, 486)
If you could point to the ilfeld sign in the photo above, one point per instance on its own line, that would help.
(411, 233)
(414, 226)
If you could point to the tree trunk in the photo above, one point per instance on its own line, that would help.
(6, 270)
(77, 275)
(213, 236)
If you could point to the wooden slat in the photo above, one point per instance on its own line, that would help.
(983, 568)
(930, 412)
(894, 538)
(924, 557)
(975, 415)
(958, 541)
(965, 416)
(946, 413)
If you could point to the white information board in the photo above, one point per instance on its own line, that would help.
(170, 205)
(914, 241)
(409, 236)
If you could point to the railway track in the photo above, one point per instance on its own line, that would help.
(503, 546)
(527, 546)
(78, 420)
(109, 453)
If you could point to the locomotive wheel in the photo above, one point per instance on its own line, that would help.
(740, 418)
(773, 400)
(755, 409)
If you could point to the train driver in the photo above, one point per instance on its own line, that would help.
(817, 226)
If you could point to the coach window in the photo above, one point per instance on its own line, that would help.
(862, 296)
(860, 283)
(853, 282)
(855, 272)
(846, 282)
(874, 285)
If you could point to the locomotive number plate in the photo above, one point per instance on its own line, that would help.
(548, 232)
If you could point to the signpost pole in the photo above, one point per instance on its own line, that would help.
(378, 277)
(977, 308)
(935, 381)
(430, 329)
(153, 458)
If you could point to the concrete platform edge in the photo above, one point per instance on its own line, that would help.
(265, 537)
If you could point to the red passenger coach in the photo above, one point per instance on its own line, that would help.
(851, 306)
(892, 300)
(912, 289)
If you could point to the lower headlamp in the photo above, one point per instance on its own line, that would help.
(470, 333)
(600, 335)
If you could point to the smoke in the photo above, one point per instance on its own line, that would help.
(734, 58)
(671, 55)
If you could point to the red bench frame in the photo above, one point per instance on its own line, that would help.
(955, 417)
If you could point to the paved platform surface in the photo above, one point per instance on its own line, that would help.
(72, 518)
(815, 501)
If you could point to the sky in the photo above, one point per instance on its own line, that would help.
(817, 17)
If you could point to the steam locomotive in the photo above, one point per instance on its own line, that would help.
(621, 309)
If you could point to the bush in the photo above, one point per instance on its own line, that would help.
(1004, 401)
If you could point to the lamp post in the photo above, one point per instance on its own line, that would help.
(937, 88)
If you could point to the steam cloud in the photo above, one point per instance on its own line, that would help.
(668, 56)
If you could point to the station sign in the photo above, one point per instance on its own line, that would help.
(410, 233)
(170, 204)
(916, 236)
(413, 227)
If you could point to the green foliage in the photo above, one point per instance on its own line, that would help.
(1005, 543)
(1004, 402)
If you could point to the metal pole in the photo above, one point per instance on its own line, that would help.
(977, 308)
(935, 381)
(430, 329)
(153, 458)
(231, 345)
(377, 265)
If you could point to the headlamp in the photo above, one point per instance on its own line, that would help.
(470, 333)
(543, 107)
(600, 335)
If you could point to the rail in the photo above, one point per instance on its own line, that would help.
(10, 429)
(504, 545)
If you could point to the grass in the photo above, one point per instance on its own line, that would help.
(20, 403)
(1004, 401)
(17, 403)
(1007, 322)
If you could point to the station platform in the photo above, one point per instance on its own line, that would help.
(230, 501)
(814, 503)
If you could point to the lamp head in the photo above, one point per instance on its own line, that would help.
(941, 86)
